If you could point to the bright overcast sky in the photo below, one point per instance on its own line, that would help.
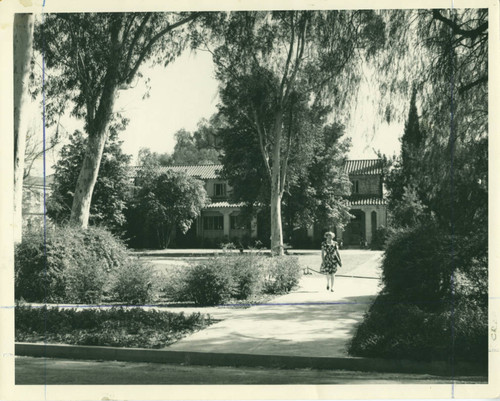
(185, 91)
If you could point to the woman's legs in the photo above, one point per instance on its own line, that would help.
(329, 281)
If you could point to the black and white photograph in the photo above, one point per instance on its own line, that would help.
(294, 197)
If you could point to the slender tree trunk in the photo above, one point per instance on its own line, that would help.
(97, 127)
(80, 210)
(98, 135)
(276, 193)
(23, 38)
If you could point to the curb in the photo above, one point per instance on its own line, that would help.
(249, 360)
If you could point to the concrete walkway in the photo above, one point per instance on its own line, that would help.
(310, 321)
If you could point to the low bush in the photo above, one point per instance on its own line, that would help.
(232, 276)
(86, 281)
(67, 264)
(282, 274)
(209, 282)
(119, 327)
(406, 331)
(134, 283)
(247, 272)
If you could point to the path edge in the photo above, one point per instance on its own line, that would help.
(438, 368)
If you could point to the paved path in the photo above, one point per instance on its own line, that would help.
(310, 321)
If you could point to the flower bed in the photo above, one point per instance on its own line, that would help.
(116, 326)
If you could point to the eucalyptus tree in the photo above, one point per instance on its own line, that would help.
(271, 63)
(92, 56)
(23, 38)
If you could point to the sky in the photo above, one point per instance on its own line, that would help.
(186, 91)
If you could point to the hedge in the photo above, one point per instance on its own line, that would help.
(241, 277)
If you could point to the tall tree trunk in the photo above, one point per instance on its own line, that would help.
(98, 135)
(276, 193)
(97, 127)
(80, 210)
(23, 38)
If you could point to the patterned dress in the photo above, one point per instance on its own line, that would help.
(331, 260)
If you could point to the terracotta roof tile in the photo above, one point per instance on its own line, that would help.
(368, 201)
(223, 204)
(203, 171)
(363, 167)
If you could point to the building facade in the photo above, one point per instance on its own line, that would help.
(35, 192)
(367, 200)
(222, 221)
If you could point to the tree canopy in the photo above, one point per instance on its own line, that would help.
(275, 67)
(448, 66)
(162, 202)
(91, 56)
(112, 190)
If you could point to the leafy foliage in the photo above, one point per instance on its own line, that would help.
(393, 329)
(197, 148)
(115, 327)
(433, 305)
(435, 269)
(282, 274)
(209, 283)
(162, 202)
(93, 55)
(444, 149)
(279, 72)
(112, 189)
(242, 277)
(134, 283)
(69, 265)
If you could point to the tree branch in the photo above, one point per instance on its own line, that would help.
(137, 34)
(289, 57)
(470, 85)
(263, 149)
(457, 30)
(300, 52)
(152, 42)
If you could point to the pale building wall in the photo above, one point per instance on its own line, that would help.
(367, 184)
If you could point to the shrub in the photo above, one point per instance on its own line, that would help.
(88, 284)
(209, 282)
(380, 238)
(282, 274)
(418, 264)
(131, 327)
(71, 265)
(134, 283)
(406, 331)
(247, 274)
(232, 276)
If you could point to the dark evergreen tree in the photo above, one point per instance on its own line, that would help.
(112, 189)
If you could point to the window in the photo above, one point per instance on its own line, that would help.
(355, 187)
(219, 190)
(213, 223)
(239, 223)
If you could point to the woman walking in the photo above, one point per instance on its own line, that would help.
(330, 259)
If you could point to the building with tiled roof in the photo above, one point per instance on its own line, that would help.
(367, 200)
(221, 219)
(36, 190)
